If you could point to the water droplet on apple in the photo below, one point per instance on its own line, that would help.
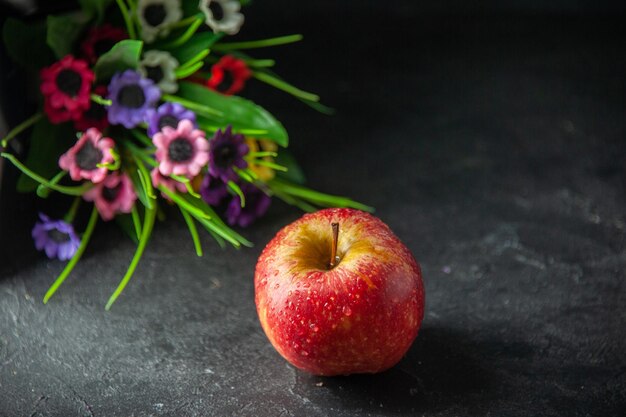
(276, 286)
(315, 328)
(289, 293)
(304, 353)
(347, 311)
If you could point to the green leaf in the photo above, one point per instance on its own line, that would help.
(95, 8)
(139, 188)
(63, 31)
(236, 111)
(294, 172)
(26, 43)
(124, 55)
(125, 222)
(198, 43)
(47, 143)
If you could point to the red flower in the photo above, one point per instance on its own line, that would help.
(229, 75)
(95, 115)
(66, 86)
(100, 40)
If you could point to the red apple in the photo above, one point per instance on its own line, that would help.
(359, 315)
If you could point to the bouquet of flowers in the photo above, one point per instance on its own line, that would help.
(138, 111)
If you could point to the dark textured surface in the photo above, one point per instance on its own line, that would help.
(494, 147)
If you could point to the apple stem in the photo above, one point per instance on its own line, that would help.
(333, 248)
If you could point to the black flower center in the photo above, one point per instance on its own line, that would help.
(227, 81)
(131, 96)
(103, 46)
(69, 82)
(95, 112)
(58, 236)
(154, 73)
(88, 157)
(110, 194)
(180, 150)
(154, 14)
(217, 10)
(225, 155)
(168, 120)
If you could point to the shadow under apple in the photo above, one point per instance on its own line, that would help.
(444, 369)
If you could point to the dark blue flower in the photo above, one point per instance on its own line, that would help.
(168, 114)
(257, 203)
(56, 237)
(227, 151)
(132, 96)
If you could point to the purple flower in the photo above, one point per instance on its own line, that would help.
(56, 237)
(168, 114)
(132, 96)
(213, 190)
(257, 203)
(226, 152)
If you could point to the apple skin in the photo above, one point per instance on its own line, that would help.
(360, 316)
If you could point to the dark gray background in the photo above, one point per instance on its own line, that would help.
(492, 142)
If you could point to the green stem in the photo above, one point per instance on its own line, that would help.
(136, 221)
(260, 63)
(21, 127)
(284, 86)
(187, 21)
(148, 224)
(191, 30)
(142, 137)
(127, 20)
(71, 214)
(196, 212)
(262, 43)
(197, 58)
(187, 71)
(80, 190)
(270, 165)
(232, 185)
(100, 100)
(192, 230)
(43, 191)
(198, 108)
(315, 196)
(79, 252)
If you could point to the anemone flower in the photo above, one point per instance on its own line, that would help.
(113, 195)
(159, 66)
(229, 75)
(167, 114)
(84, 160)
(156, 15)
(227, 151)
(213, 190)
(100, 40)
(181, 151)
(66, 86)
(222, 15)
(131, 96)
(257, 204)
(56, 237)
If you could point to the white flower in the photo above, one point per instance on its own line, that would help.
(222, 15)
(159, 66)
(156, 15)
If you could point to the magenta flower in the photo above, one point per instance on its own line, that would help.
(82, 159)
(213, 190)
(257, 203)
(56, 237)
(181, 151)
(113, 195)
(227, 152)
(168, 182)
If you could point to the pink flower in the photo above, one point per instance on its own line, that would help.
(113, 195)
(82, 159)
(167, 182)
(181, 151)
